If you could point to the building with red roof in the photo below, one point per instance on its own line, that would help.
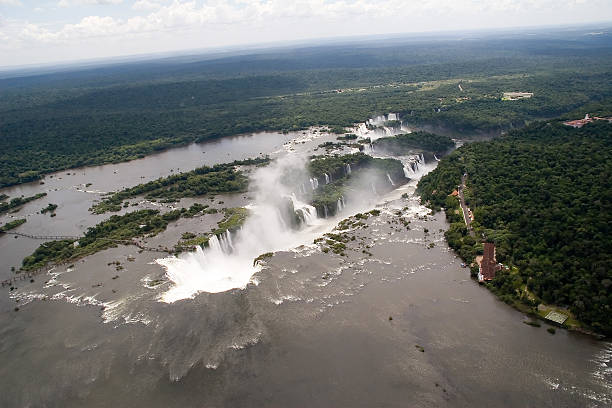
(488, 266)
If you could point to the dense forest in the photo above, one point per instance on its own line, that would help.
(108, 114)
(543, 195)
(414, 142)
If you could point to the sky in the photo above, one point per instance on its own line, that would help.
(52, 31)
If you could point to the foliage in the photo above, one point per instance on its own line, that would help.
(102, 115)
(325, 198)
(408, 143)
(221, 178)
(232, 220)
(49, 208)
(12, 224)
(543, 195)
(18, 202)
(108, 233)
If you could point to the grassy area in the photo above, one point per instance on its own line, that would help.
(232, 220)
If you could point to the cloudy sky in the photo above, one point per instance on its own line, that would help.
(43, 31)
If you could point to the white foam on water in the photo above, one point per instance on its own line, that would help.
(215, 270)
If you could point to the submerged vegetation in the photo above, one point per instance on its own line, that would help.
(221, 178)
(543, 196)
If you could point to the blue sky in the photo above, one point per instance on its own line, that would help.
(44, 31)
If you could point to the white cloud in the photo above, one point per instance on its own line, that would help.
(68, 3)
(181, 14)
(147, 4)
(10, 2)
(159, 25)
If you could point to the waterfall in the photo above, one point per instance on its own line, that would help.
(314, 183)
(390, 181)
(227, 262)
(325, 210)
(436, 157)
(225, 242)
(422, 158)
(393, 116)
(308, 212)
(374, 189)
(406, 174)
(348, 168)
(327, 178)
(214, 244)
(340, 205)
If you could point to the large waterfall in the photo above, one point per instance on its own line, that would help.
(227, 263)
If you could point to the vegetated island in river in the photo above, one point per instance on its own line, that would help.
(220, 178)
(17, 202)
(543, 196)
(12, 225)
(123, 229)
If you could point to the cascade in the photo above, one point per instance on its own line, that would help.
(422, 158)
(325, 210)
(308, 212)
(227, 262)
(214, 244)
(327, 178)
(374, 189)
(436, 157)
(348, 168)
(390, 181)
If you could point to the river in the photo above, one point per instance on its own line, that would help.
(404, 326)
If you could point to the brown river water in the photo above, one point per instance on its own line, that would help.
(404, 326)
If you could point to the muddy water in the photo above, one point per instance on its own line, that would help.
(312, 329)
(70, 190)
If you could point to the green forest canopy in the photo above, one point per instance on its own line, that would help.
(56, 121)
(543, 195)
